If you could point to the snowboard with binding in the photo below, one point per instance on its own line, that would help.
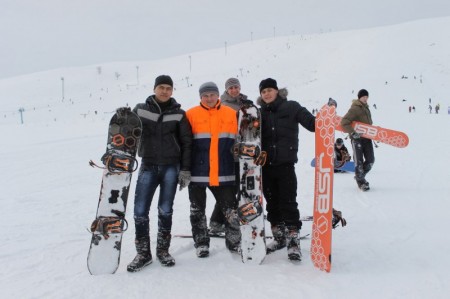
(323, 189)
(124, 134)
(387, 136)
(251, 206)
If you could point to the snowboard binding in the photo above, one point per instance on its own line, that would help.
(249, 211)
(116, 163)
(109, 225)
(252, 151)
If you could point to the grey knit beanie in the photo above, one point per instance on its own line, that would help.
(208, 87)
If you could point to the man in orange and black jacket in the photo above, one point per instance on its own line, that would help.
(214, 129)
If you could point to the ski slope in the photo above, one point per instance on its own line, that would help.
(395, 244)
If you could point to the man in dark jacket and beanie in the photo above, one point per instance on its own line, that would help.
(280, 119)
(362, 147)
(166, 159)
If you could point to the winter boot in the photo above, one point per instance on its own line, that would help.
(216, 228)
(162, 249)
(202, 251)
(232, 233)
(279, 238)
(143, 257)
(293, 243)
(363, 185)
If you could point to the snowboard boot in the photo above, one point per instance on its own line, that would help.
(363, 185)
(279, 238)
(216, 228)
(232, 234)
(202, 251)
(143, 257)
(293, 243)
(162, 249)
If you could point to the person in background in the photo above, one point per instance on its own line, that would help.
(363, 153)
(341, 155)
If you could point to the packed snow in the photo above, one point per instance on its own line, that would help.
(395, 244)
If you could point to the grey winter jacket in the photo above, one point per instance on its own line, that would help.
(231, 102)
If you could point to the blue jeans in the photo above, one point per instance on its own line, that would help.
(149, 178)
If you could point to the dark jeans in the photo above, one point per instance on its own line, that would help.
(280, 191)
(363, 156)
(149, 178)
(226, 198)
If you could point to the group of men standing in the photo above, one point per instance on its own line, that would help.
(194, 149)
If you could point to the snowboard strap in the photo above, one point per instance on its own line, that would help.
(117, 163)
(109, 225)
(249, 211)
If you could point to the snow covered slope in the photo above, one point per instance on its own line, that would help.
(395, 244)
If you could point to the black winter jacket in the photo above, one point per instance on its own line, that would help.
(280, 121)
(166, 135)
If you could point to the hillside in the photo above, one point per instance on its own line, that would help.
(393, 247)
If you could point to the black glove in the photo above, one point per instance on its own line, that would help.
(355, 135)
(332, 102)
(337, 217)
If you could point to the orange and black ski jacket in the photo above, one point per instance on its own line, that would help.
(214, 132)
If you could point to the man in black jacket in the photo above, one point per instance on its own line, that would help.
(166, 159)
(280, 119)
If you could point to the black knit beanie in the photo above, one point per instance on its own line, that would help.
(362, 93)
(163, 79)
(268, 83)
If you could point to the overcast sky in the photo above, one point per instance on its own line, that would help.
(38, 35)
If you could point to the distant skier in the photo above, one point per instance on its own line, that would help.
(341, 154)
(362, 147)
